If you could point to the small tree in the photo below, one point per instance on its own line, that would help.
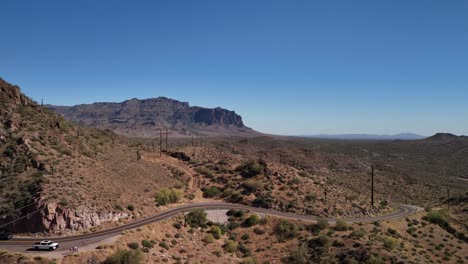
(286, 230)
(251, 221)
(341, 225)
(231, 246)
(167, 196)
(216, 232)
(196, 218)
(390, 243)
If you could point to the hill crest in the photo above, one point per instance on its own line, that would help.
(143, 117)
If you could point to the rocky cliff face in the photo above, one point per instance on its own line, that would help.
(142, 118)
(33, 152)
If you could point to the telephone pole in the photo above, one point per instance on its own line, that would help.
(372, 186)
(163, 141)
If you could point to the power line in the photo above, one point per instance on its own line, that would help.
(17, 209)
(16, 220)
(5, 205)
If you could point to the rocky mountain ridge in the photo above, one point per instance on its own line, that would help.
(144, 118)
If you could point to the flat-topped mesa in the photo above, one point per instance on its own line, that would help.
(142, 118)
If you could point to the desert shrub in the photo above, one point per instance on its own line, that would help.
(259, 231)
(231, 246)
(205, 172)
(251, 221)
(209, 238)
(167, 196)
(264, 202)
(252, 186)
(249, 261)
(232, 196)
(211, 192)
(133, 245)
(233, 225)
(216, 232)
(437, 217)
(311, 197)
(125, 257)
(373, 259)
(63, 202)
(390, 243)
(298, 256)
(358, 233)
(118, 207)
(250, 169)
(164, 245)
(196, 218)
(320, 241)
(319, 226)
(146, 244)
(322, 223)
(341, 225)
(130, 207)
(350, 260)
(286, 230)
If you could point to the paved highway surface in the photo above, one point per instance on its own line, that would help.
(24, 243)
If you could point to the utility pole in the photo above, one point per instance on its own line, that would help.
(163, 141)
(372, 186)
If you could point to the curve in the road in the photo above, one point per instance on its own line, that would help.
(401, 212)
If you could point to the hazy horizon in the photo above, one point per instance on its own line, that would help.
(287, 69)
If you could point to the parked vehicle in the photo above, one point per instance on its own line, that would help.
(5, 235)
(45, 245)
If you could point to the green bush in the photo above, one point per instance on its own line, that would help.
(167, 196)
(251, 221)
(252, 186)
(437, 217)
(358, 233)
(299, 256)
(130, 207)
(118, 207)
(231, 246)
(250, 169)
(209, 238)
(311, 197)
(216, 232)
(286, 230)
(341, 225)
(322, 223)
(374, 260)
(164, 245)
(133, 245)
(390, 243)
(146, 244)
(125, 257)
(196, 218)
(211, 192)
(320, 241)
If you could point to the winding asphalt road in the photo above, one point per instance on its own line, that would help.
(24, 243)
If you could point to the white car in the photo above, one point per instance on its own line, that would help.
(45, 245)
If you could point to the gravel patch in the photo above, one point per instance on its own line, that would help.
(217, 216)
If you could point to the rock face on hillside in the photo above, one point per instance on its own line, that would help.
(143, 118)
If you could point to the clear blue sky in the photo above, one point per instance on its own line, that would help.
(288, 67)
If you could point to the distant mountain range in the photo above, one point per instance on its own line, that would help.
(401, 136)
(143, 118)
